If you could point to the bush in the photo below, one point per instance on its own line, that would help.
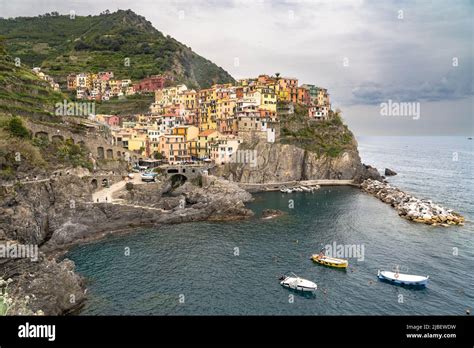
(157, 155)
(16, 128)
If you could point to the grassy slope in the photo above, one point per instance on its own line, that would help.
(329, 137)
(61, 45)
(22, 93)
(131, 105)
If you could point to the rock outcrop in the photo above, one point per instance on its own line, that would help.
(389, 172)
(412, 208)
(42, 214)
(282, 163)
(271, 213)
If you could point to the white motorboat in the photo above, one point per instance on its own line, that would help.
(403, 279)
(298, 189)
(285, 190)
(305, 189)
(296, 283)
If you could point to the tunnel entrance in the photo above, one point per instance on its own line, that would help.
(178, 180)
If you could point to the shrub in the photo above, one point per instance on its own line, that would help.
(16, 128)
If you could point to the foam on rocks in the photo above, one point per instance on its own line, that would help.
(412, 208)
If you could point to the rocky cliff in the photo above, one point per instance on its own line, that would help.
(284, 162)
(306, 150)
(58, 213)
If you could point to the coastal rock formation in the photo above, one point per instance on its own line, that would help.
(412, 208)
(42, 214)
(43, 286)
(389, 172)
(283, 162)
(271, 213)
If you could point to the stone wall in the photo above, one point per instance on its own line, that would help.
(98, 146)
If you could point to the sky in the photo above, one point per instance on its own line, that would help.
(407, 55)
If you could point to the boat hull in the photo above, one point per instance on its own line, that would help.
(330, 262)
(297, 287)
(403, 279)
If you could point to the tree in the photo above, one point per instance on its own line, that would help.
(16, 128)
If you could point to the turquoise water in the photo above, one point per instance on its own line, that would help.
(233, 268)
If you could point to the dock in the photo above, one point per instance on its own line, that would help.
(275, 186)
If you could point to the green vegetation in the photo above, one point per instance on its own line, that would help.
(329, 137)
(16, 128)
(61, 45)
(22, 93)
(71, 154)
(135, 104)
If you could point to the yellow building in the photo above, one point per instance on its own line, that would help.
(189, 132)
(199, 147)
(268, 99)
(137, 144)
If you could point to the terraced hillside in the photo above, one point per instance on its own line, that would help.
(61, 45)
(22, 93)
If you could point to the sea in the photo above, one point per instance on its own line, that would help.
(233, 268)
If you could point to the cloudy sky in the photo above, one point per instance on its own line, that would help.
(365, 52)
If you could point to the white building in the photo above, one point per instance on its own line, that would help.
(223, 148)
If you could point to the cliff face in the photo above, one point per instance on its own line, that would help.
(306, 150)
(283, 162)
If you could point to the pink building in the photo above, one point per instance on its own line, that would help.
(112, 120)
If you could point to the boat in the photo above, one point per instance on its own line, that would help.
(330, 261)
(296, 283)
(402, 279)
(297, 189)
(285, 190)
(306, 189)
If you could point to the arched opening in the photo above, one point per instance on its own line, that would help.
(100, 152)
(57, 138)
(119, 154)
(42, 135)
(178, 180)
(110, 154)
(94, 183)
(105, 182)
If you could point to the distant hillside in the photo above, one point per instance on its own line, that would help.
(61, 45)
(22, 93)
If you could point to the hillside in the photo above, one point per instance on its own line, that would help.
(22, 93)
(61, 45)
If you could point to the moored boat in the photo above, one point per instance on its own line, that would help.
(296, 283)
(330, 261)
(403, 279)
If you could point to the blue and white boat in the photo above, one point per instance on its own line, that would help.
(403, 279)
